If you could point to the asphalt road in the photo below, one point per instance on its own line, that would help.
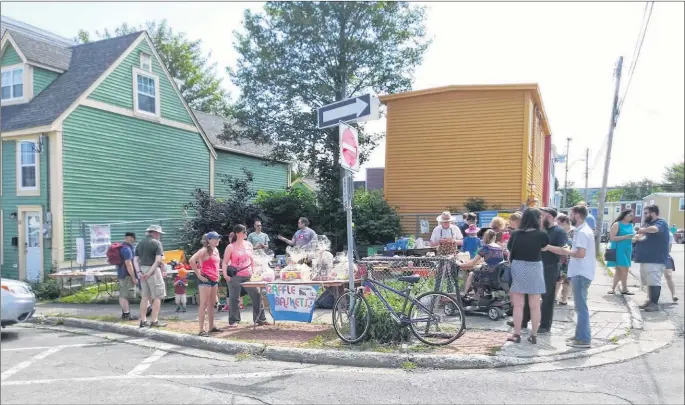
(46, 367)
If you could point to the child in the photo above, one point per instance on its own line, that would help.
(471, 241)
(180, 284)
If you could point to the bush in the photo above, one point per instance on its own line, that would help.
(285, 208)
(375, 222)
(383, 328)
(221, 216)
(47, 290)
(474, 204)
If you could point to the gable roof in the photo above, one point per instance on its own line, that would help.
(42, 52)
(668, 195)
(308, 182)
(7, 23)
(87, 63)
(213, 126)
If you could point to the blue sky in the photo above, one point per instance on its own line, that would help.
(568, 48)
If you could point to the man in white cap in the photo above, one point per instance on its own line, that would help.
(446, 229)
(148, 257)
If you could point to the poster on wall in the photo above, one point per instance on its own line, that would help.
(486, 217)
(99, 240)
(424, 226)
(289, 302)
(80, 251)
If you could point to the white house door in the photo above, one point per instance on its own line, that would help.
(32, 245)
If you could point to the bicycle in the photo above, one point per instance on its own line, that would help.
(424, 316)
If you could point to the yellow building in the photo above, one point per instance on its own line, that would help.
(445, 145)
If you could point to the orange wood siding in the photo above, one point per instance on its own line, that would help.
(443, 148)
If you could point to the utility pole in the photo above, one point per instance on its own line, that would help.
(568, 143)
(587, 172)
(612, 126)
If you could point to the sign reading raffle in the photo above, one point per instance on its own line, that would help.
(292, 302)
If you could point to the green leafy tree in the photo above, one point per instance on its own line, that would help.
(614, 195)
(198, 81)
(475, 204)
(285, 208)
(573, 196)
(636, 190)
(674, 177)
(297, 56)
(375, 221)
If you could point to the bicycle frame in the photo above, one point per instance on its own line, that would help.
(401, 318)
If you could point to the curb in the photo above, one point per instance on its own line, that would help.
(322, 356)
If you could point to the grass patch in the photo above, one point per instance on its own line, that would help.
(102, 318)
(614, 339)
(408, 366)
(87, 295)
(243, 356)
(492, 351)
(325, 340)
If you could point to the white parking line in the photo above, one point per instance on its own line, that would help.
(145, 364)
(24, 364)
(17, 349)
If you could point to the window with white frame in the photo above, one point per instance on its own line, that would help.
(606, 210)
(638, 209)
(146, 93)
(681, 204)
(28, 166)
(12, 83)
(618, 210)
(146, 62)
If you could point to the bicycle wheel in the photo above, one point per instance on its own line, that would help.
(431, 323)
(342, 313)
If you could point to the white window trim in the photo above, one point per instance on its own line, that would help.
(144, 55)
(638, 207)
(680, 204)
(26, 81)
(27, 191)
(141, 113)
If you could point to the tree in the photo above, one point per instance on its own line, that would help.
(573, 196)
(297, 56)
(474, 204)
(614, 195)
(285, 208)
(198, 81)
(376, 222)
(674, 177)
(636, 190)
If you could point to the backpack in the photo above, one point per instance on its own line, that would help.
(114, 254)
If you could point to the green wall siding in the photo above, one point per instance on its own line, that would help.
(117, 88)
(266, 178)
(10, 57)
(10, 201)
(42, 79)
(128, 172)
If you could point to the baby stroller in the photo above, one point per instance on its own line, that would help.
(492, 289)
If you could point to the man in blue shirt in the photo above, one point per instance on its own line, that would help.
(127, 276)
(652, 254)
(590, 220)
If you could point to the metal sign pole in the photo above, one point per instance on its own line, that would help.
(347, 201)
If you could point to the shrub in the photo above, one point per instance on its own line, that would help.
(383, 328)
(475, 204)
(47, 290)
(375, 221)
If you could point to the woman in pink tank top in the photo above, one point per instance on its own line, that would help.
(239, 255)
(208, 279)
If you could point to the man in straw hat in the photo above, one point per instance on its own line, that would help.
(148, 257)
(446, 229)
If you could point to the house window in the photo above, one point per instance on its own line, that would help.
(638, 209)
(606, 210)
(12, 83)
(681, 204)
(146, 62)
(618, 210)
(28, 166)
(146, 93)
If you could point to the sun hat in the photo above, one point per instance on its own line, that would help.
(213, 235)
(445, 214)
(472, 229)
(154, 228)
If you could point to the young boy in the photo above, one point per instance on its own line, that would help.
(180, 284)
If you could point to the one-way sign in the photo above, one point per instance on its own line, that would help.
(355, 109)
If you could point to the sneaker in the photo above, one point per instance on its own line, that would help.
(157, 324)
(645, 305)
(184, 309)
(675, 299)
(571, 339)
(178, 308)
(129, 317)
(578, 344)
(143, 324)
(544, 331)
(652, 308)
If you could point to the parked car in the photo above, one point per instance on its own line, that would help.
(18, 302)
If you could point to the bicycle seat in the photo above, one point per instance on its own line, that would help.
(409, 279)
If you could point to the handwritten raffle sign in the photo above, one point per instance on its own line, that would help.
(292, 302)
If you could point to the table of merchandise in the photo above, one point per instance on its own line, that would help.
(103, 280)
(337, 287)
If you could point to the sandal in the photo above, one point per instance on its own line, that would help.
(514, 338)
(203, 334)
(563, 303)
(533, 339)
(627, 293)
(214, 330)
(611, 292)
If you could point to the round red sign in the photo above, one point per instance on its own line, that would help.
(349, 148)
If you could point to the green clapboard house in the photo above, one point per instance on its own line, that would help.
(97, 141)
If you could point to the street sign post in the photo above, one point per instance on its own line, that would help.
(356, 109)
(349, 148)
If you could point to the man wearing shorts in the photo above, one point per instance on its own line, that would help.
(149, 256)
(652, 254)
(126, 276)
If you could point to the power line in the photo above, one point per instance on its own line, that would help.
(646, 17)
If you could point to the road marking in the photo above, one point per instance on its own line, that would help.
(24, 364)
(145, 364)
(144, 342)
(17, 349)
